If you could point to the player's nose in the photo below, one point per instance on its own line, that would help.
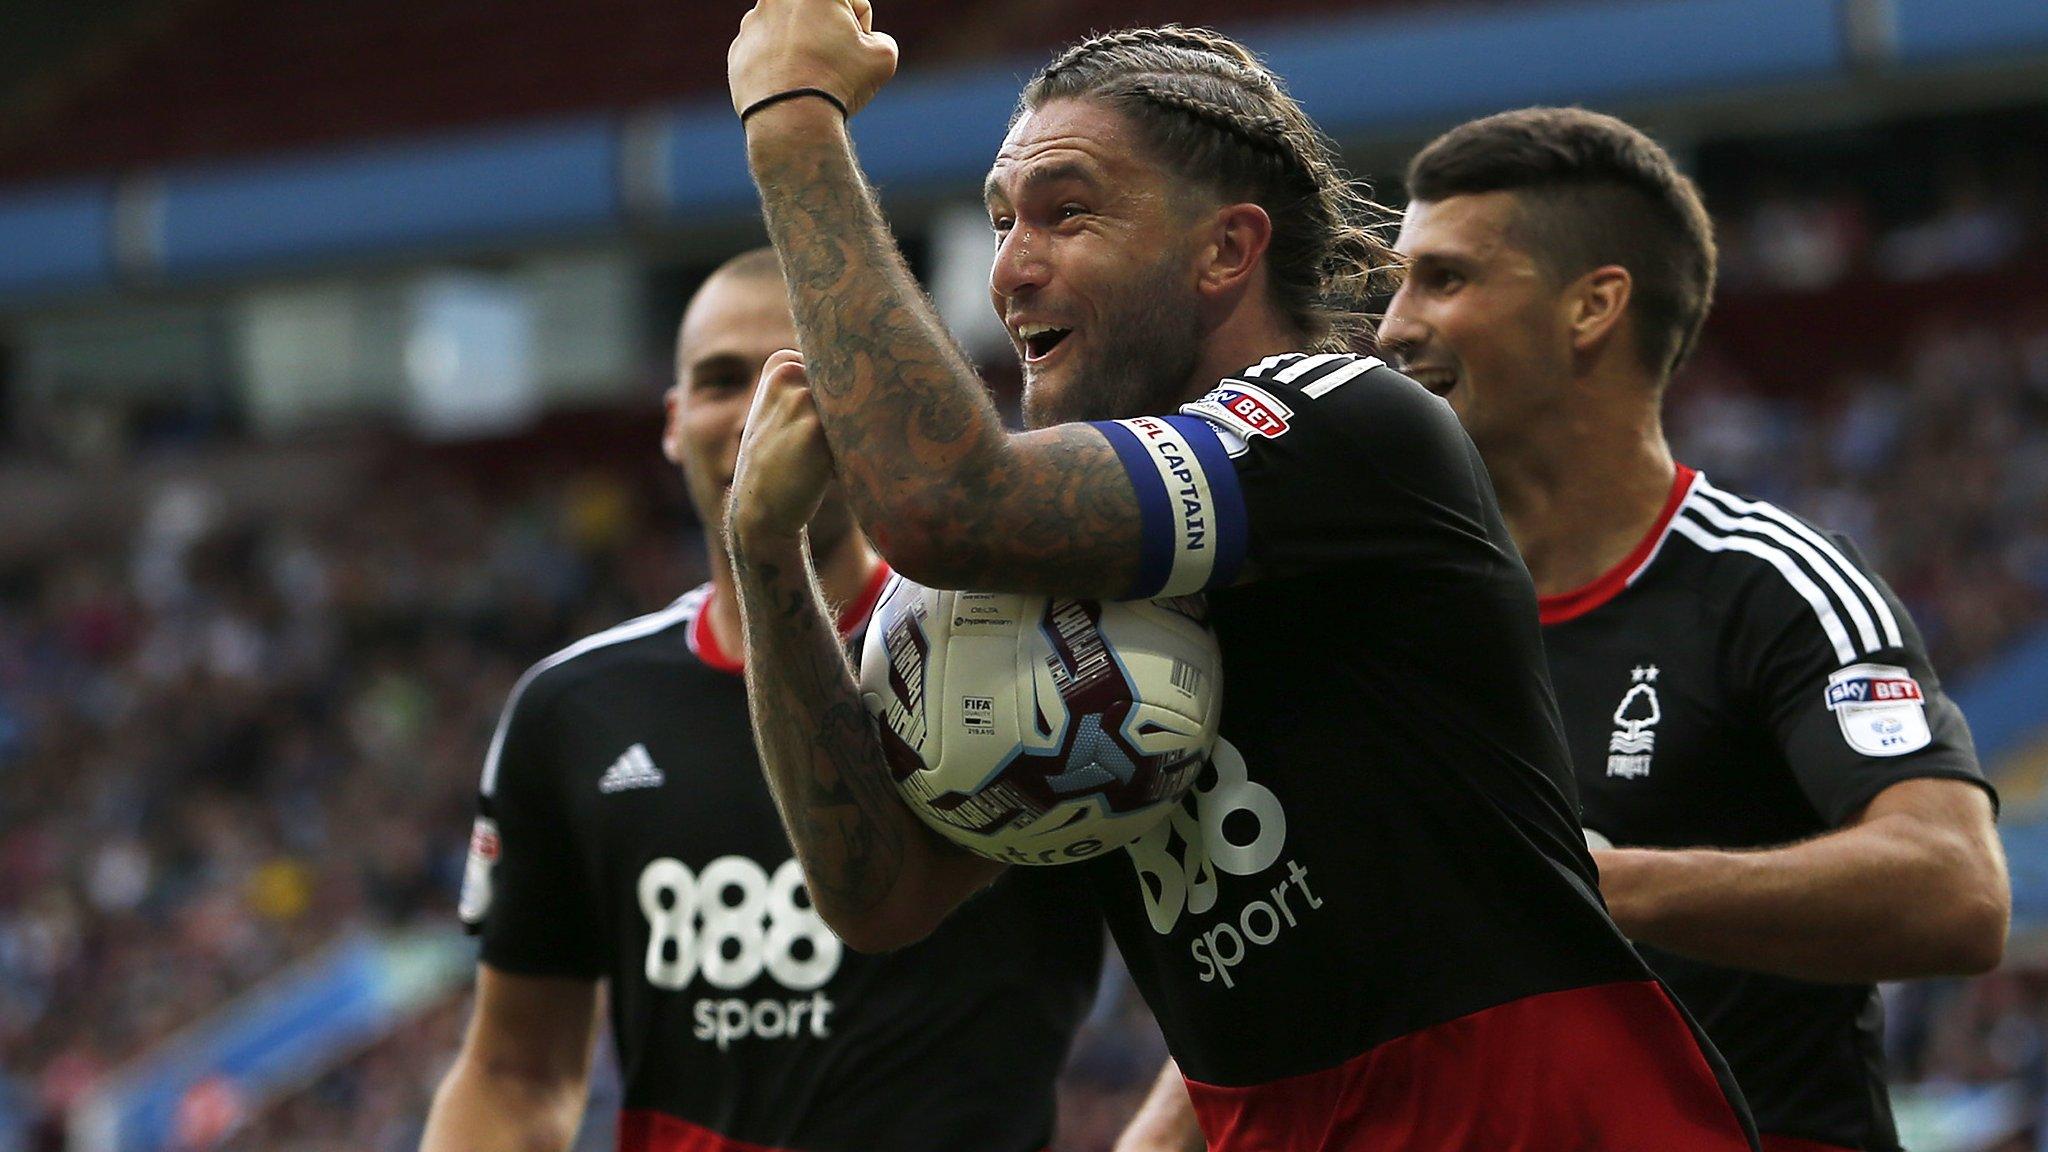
(1020, 266)
(1401, 335)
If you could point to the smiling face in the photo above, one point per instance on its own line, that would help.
(734, 323)
(1477, 320)
(1095, 272)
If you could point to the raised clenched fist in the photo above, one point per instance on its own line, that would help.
(826, 44)
(785, 464)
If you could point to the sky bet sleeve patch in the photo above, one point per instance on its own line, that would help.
(1880, 709)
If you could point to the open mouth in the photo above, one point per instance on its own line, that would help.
(1040, 340)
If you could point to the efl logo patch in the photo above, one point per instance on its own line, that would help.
(1880, 709)
(484, 850)
(1245, 410)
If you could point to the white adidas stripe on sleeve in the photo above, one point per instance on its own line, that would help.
(1265, 367)
(1859, 610)
(632, 629)
(1344, 375)
(1304, 366)
(1875, 599)
(1708, 539)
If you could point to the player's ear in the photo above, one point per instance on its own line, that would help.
(1597, 303)
(1233, 250)
(672, 424)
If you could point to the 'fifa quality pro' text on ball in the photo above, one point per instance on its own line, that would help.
(1041, 731)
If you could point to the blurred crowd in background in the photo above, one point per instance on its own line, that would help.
(1937, 466)
(224, 740)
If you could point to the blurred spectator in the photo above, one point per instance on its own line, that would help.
(1807, 230)
(1796, 241)
(1975, 227)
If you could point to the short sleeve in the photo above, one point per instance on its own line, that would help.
(1833, 658)
(1297, 463)
(522, 890)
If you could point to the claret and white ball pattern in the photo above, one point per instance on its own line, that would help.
(1035, 730)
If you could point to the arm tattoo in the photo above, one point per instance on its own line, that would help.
(917, 439)
(819, 749)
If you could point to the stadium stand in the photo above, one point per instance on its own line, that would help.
(232, 741)
(217, 78)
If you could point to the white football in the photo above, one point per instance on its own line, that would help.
(1041, 731)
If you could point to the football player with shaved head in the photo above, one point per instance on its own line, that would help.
(1373, 924)
(625, 838)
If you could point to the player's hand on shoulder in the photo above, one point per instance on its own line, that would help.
(826, 44)
(785, 464)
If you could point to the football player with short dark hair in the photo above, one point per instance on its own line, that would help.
(1795, 807)
(625, 837)
(1373, 924)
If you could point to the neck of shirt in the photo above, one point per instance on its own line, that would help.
(1571, 605)
(704, 641)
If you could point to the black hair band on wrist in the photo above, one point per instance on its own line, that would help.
(793, 94)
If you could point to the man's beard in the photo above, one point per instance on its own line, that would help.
(1140, 359)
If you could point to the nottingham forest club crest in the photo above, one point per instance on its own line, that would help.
(1635, 721)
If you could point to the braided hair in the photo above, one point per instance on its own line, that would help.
(1211, 111)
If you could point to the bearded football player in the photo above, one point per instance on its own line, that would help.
(1378, 926)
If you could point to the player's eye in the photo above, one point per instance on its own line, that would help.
(1001, 224)
(1070, 211)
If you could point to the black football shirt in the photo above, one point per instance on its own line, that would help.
(626, 834)
(1743, 680)
(1375, 923)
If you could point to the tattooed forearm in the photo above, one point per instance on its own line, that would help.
(818, 747)
(947, 494)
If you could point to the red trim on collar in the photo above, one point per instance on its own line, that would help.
(1609, 584)
(704, 642)
(856, 613)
